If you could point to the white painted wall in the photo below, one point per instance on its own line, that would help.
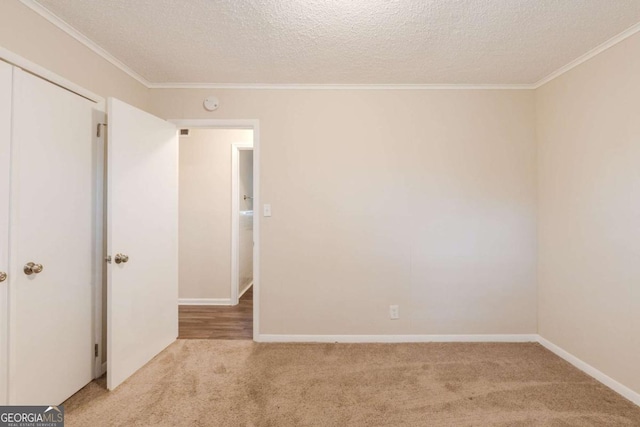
(205, 212)
(426, 199)
(245, 238)
(589, 211)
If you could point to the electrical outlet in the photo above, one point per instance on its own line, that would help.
(394, 312)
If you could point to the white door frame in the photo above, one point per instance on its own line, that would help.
(35, 69)
(254, 125)
(100, 138)
(235, 218)
(6, 113)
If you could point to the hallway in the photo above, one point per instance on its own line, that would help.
(218, 322)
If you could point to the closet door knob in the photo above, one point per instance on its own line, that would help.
(32, 268)
(3, 276)
(121, 258)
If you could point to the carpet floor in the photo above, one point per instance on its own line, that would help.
(241, 383)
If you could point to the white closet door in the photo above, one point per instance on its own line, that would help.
(142, 223)
(52, 224)
(6, 71)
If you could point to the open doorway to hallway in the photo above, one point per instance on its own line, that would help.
(216, 233)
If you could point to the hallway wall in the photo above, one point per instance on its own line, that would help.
(205, 212)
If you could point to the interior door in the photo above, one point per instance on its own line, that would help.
(6, 71)
(51, 226)
(142, 239)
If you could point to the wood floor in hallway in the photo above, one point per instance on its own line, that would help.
(218, 322)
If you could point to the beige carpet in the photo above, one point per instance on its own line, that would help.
(240, 383)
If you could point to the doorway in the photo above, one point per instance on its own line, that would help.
(241, 220)
(217, 228)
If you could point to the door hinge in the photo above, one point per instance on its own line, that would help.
(108, 259)
(95, 350)
(98, 130)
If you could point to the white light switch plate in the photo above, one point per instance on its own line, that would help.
(267, 210)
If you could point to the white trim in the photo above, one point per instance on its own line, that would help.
(64, 26)
(257, 198)
(245, 289)
(204, 301)
(453, 86)
(6, 131)
(99, 116)
(43, 73)
(235, 224)
(103, 369)
(235, 217)
(614, 385)
(215, 123)
(593, 52)
(287, 86)
(242, 124)
(397, 338)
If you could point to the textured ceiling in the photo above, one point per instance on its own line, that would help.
(347, 41)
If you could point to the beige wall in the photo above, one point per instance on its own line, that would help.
(205, 212)
(29, 35)
(426, 199)
(589, 211)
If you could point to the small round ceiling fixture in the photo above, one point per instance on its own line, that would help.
(211, 103)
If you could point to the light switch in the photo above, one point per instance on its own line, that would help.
(267, 210)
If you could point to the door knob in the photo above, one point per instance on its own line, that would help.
(32, 268)
(3, 276)
(121, 258)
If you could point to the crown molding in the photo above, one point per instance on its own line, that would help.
(302, 86)
(64, 26)
(587, 56)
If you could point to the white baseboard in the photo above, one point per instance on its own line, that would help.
(204, 301)
(396, 338)
(104, 369)
(590, 370)
(245, 289)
